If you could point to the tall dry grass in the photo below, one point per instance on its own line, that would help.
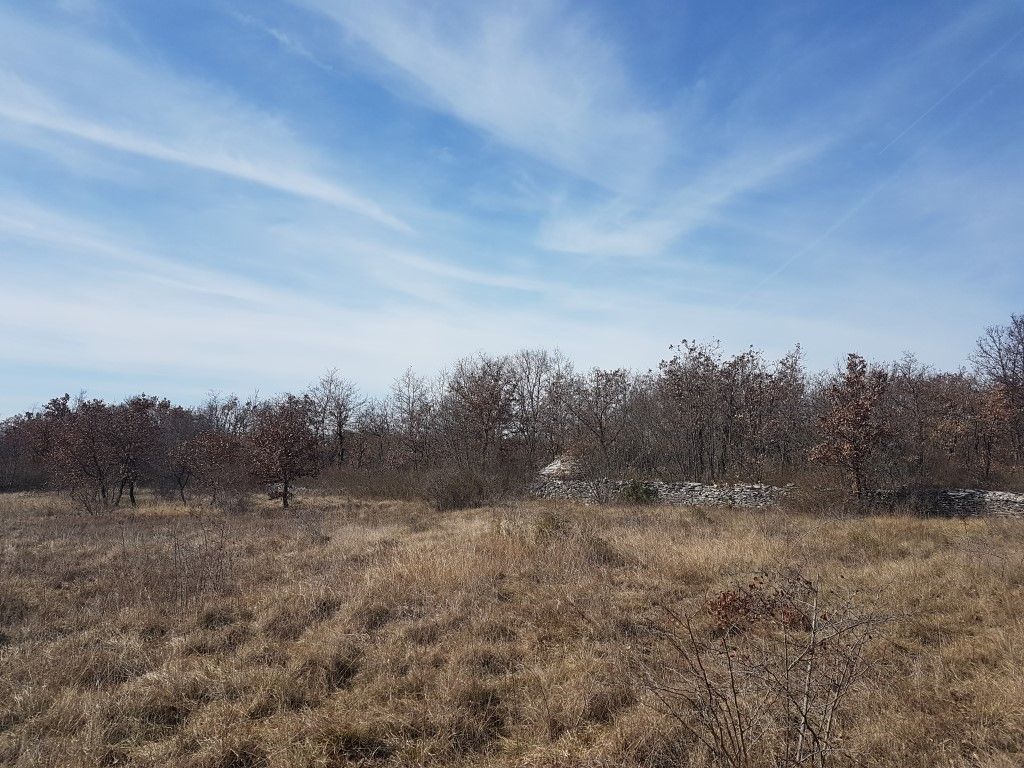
(377, 633)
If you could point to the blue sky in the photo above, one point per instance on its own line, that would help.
(237, 195)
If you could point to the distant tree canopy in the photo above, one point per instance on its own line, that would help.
(490, 422)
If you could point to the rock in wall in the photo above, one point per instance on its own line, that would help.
(692, 494)
(938, 501)
(956, 502)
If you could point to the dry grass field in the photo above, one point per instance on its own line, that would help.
(372, 633)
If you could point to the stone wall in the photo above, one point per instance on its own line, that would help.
(946, 502)
(956, 502)
(693, 494)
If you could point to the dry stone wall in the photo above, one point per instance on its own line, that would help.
(957, 502)
(691, 494)
(946, 502)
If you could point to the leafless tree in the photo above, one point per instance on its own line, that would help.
(999, 360)
(478, 408)
(209, 463)
(228, 414)
(283, 444)
(412, 407)
(851, 429)
(600, 404)
(20, 465)
(537, 419)
(376, 432)
(492, 421)
(80, 451)
(334, 402)
(733, 416)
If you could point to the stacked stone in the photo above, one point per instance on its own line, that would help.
(963, 502)
(689, 494)
(1004, 503)
(955, 502)
(700, 494)
(563, 490)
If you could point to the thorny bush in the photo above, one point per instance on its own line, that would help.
(760, 673)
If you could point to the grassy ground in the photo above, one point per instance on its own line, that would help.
(387, 634)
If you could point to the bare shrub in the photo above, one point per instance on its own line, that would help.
(456, 488)
(190, 561)
(760, 673)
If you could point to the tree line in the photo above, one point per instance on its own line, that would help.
(485, 426)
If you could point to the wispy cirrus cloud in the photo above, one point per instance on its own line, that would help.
(78, 88)
(631, 228)
(533, 76)
(126, 311)
(26, 227)
(541, 79)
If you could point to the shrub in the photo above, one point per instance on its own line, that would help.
(638, 492)
(760, 673)
(456, 488)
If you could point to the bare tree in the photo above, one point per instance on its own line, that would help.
(80, 451)
(732, 415)
(334, 402)
(283, 444)
(999, 360)
(228, 414)
(134, 434)
(376, 432)
(851, 428)
(479, 406)
(412, 407)
(20, 467)
(539, 423)
(788, 423)
(495, 420)
(1000, 356)
(600, 403)
(210, 463)
(993, 415)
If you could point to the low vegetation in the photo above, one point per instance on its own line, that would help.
(377, 633)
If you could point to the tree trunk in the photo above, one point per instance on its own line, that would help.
(284, 495)
(858, 484)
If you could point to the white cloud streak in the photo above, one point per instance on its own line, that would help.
(622, 228)
(79, 89)
(538, 80)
